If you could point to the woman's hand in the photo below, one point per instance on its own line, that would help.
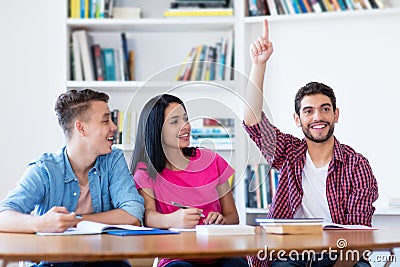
(186, 218)
(214, 217)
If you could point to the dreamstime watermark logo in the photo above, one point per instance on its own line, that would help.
(339, 253)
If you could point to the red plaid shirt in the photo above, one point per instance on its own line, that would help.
(351, 187)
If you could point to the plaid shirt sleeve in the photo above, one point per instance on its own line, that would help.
(364, 191)
(273, 144)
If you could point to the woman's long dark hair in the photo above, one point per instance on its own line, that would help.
(148, 144)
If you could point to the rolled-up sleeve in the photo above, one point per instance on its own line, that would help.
(28, 192)
(364, 192)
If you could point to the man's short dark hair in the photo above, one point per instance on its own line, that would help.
(314, 88)
(73, 104)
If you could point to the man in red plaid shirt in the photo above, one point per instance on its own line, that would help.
(320, 178)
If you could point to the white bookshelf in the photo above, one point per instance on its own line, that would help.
(338, 48)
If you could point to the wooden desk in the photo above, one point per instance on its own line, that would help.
(17, 247)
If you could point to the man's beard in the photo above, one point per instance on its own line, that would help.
(319, 139)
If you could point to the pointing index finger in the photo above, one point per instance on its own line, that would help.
(265, 30)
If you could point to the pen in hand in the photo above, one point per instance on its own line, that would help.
(184, 207)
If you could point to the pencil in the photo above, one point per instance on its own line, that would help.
(184, 207)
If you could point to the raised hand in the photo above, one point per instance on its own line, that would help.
(261, 49)
(57, 219)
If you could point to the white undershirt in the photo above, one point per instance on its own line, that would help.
(314, 203)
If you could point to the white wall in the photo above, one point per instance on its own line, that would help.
(32, 75)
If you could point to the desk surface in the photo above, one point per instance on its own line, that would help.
(16, 247)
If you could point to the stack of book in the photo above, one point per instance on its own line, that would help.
(208, 62)
(202, 8)
(302, 226)
(213, 133)
(292, 226)
(92, 62)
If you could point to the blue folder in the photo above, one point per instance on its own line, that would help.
(153, 231)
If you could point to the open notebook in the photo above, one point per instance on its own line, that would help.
(88, 228)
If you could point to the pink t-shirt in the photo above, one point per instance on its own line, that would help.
(196, 186)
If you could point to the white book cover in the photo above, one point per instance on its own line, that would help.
(336, 226)
(86, 55)
(77, 57)
(225, 229)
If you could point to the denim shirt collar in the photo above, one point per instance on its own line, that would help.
(69, 172)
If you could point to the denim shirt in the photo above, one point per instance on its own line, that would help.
(50, 181)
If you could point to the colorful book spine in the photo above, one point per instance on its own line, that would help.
(109, 64)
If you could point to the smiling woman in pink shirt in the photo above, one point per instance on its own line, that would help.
(166, 169)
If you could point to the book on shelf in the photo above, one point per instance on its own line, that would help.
(273, 11)
(286, 7)
(196, 63)
(74, 9)
(109, 64)
(200, 3)
(224, 229)
(88, 227)
(125, 12)
(86, 55)
(183, 67)
(98, 63)
(125, 53)
(131, 65)
(77, 73)
(198, 12)
(280, 8)
(205, 70)
(208, 62)
(89, 9)
(202, 58)
(108, 8)
(189, 65)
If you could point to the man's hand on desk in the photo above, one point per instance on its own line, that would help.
(57, 219)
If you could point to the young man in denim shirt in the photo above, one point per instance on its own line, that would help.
(86, 180)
